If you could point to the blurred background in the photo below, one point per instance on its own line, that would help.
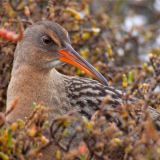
(116, 36)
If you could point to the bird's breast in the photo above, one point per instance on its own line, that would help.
(40, 88)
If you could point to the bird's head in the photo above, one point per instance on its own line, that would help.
(46, 44)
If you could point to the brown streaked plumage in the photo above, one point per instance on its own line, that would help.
(35, 79)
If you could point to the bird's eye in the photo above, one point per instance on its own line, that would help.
(46, 40)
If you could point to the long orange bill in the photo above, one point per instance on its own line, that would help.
(69, 55)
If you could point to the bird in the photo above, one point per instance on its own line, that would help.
(34, 78)
(44, 46)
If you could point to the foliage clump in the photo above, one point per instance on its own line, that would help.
(128, 131)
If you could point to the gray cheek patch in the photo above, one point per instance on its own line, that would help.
(54, 63)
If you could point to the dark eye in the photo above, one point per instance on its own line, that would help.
(46, 40)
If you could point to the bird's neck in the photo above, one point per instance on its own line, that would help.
(29, 85)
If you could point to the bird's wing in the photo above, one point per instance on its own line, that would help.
(87, 94)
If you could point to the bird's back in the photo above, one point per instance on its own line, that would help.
(86, 95)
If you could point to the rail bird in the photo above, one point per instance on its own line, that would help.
(34, 78)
